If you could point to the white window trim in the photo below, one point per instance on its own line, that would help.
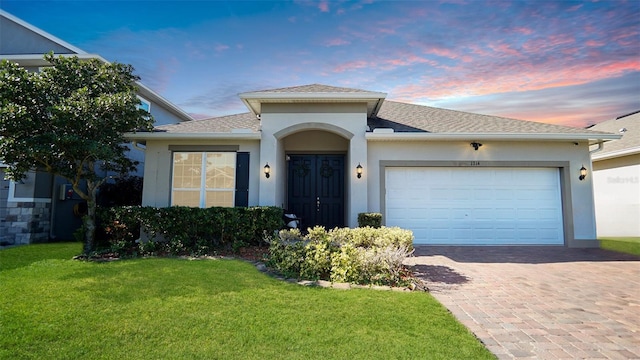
(146, 102)
(203, 180)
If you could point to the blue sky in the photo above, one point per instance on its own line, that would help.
(562, 62)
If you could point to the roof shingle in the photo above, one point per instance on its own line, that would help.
(403, 117)
(222, 124)
(313, 88)
(630, 135)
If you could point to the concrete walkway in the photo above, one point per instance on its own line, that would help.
(539, 302)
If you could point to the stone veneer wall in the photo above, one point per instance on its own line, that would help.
(27, 223)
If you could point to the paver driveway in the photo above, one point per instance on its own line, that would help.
(539, 302)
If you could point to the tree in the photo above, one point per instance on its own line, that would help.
(69, 120)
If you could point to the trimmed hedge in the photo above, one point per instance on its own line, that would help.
(362, 255)
(186, 230)
(370, 219)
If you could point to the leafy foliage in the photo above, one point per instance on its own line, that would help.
(124, 191)
(370, 219)
(361, 255)
(184, 230)
(69, 120)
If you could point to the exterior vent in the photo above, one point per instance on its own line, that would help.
(383, 131)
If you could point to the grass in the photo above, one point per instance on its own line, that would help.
(628, 245)
(52, 307)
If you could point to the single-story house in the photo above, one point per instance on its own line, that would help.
(616, 178)
(36, 209)
(328, 153)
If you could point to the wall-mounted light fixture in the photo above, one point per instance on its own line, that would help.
(583, 173)
(476, 145)
(267, 171)
(359, 170)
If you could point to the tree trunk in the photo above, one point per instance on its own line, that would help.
(89, 220)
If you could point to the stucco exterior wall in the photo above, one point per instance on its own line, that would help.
(580, 226)
(616, 185)
(280, 121)
(158, 166)
(315, 141)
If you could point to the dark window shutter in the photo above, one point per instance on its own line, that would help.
(242, 179)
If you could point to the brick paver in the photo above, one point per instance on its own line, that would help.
(539, 302)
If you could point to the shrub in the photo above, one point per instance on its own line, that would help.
(286, 252)
(185, 230)
(373, 220)
(124, 191)
(362, 255)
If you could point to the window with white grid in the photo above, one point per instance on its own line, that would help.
(203, 179)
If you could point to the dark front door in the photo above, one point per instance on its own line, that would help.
(316, 189)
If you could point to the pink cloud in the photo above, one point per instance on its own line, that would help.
(436, 50)
(352, 65)
(518, 78)
(409, 59)
(199, 116)
(589, 114)
(575, 7)
(627, 38)
(323, 6)
(546, 44)
(442, 52)
(523, 30)
(503, 48)
(594, 43)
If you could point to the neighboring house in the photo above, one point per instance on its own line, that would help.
(32, 210)
(328, 153)
(616, 178)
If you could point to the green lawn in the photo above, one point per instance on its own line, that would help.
(629, 245)
(52, 307)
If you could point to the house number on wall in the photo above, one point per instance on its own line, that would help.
(474, 163)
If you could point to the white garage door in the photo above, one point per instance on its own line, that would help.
(476, 206)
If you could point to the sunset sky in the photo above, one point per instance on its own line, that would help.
(562, 62)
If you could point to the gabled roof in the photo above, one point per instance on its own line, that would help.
(402, 121)
(312, 88)
(34, 42)
(403, 117)
(314, 93)
(243, 126)
(626, 125)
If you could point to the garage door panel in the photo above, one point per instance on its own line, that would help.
(476, 205)
(438, 194)
(484, 194)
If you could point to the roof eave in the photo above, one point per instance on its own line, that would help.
(191, 136)
(312, 95)
(146, 91)
(253, 100)
(614, 154)
(412, 136)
